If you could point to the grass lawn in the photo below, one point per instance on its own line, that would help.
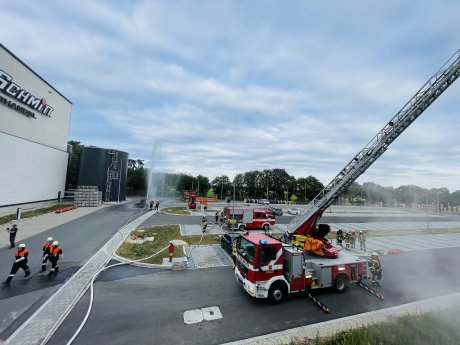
(29, 214)
(176, 210)
(440, 327)
(163, 234)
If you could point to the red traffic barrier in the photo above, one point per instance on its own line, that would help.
(65, 209)
(395, 251)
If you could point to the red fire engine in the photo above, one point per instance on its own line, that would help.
(268, 268)
(248, 217)
(304, 259)
(190, 198)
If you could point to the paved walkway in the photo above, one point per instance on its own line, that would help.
(31, 226)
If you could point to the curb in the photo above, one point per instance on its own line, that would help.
(139, 264)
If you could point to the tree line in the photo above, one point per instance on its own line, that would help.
(273, 184)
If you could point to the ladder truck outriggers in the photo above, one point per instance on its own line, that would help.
(304, 260)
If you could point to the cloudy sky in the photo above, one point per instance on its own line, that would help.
(223, 87)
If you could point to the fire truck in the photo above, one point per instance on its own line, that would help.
(303, 259)
(190, 198)
(248, 217)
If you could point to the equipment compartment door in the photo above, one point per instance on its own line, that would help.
(248, 216)
(326, 276)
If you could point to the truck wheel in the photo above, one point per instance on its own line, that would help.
(266, 227)
(241, 227)
(341, 283)
(277, 293)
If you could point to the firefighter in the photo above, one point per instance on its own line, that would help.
(376, 269)
(339, 237)
(204, 223)
(46, 252)
(217, 216)
(55, 254)
(20, 262)
(353, 237)
(362, 241)
(12, 231)
(346, 237)
(234, 251)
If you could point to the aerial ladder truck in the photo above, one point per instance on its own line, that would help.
(301, 261)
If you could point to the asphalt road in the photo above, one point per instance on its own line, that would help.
(80, 239)
(146, 306)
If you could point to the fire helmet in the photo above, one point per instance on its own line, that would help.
(22, 245)
(50, 239)
(55, 243)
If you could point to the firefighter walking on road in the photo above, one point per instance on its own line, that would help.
(20, 262)
(55, 254)
(46, 252)
(204, 223)
(376, 269)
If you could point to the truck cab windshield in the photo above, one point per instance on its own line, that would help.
(246, 249)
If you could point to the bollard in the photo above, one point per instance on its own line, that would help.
(18, 213)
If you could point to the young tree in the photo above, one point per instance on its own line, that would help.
(136, 179)
(222, 185)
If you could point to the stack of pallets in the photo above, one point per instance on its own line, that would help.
(88, 196)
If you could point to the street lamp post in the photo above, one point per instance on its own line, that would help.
(427, 219)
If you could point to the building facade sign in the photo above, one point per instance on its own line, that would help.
(11, 89)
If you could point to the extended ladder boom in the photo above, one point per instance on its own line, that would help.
(305, 222)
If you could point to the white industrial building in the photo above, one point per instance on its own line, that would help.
(34, 130)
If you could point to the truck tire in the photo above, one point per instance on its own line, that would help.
(341, 283)
(241, 227)
(266, 227)
(277, 293)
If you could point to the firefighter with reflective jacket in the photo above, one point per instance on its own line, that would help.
(375, 267)
(46, 252)
(339, 237)
(204, 223)
(55, 254)
(20, 262)
(362, 241)
(346, 238)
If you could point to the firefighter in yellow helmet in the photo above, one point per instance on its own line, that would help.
(376, 269)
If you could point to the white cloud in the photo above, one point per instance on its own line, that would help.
(225, 88)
